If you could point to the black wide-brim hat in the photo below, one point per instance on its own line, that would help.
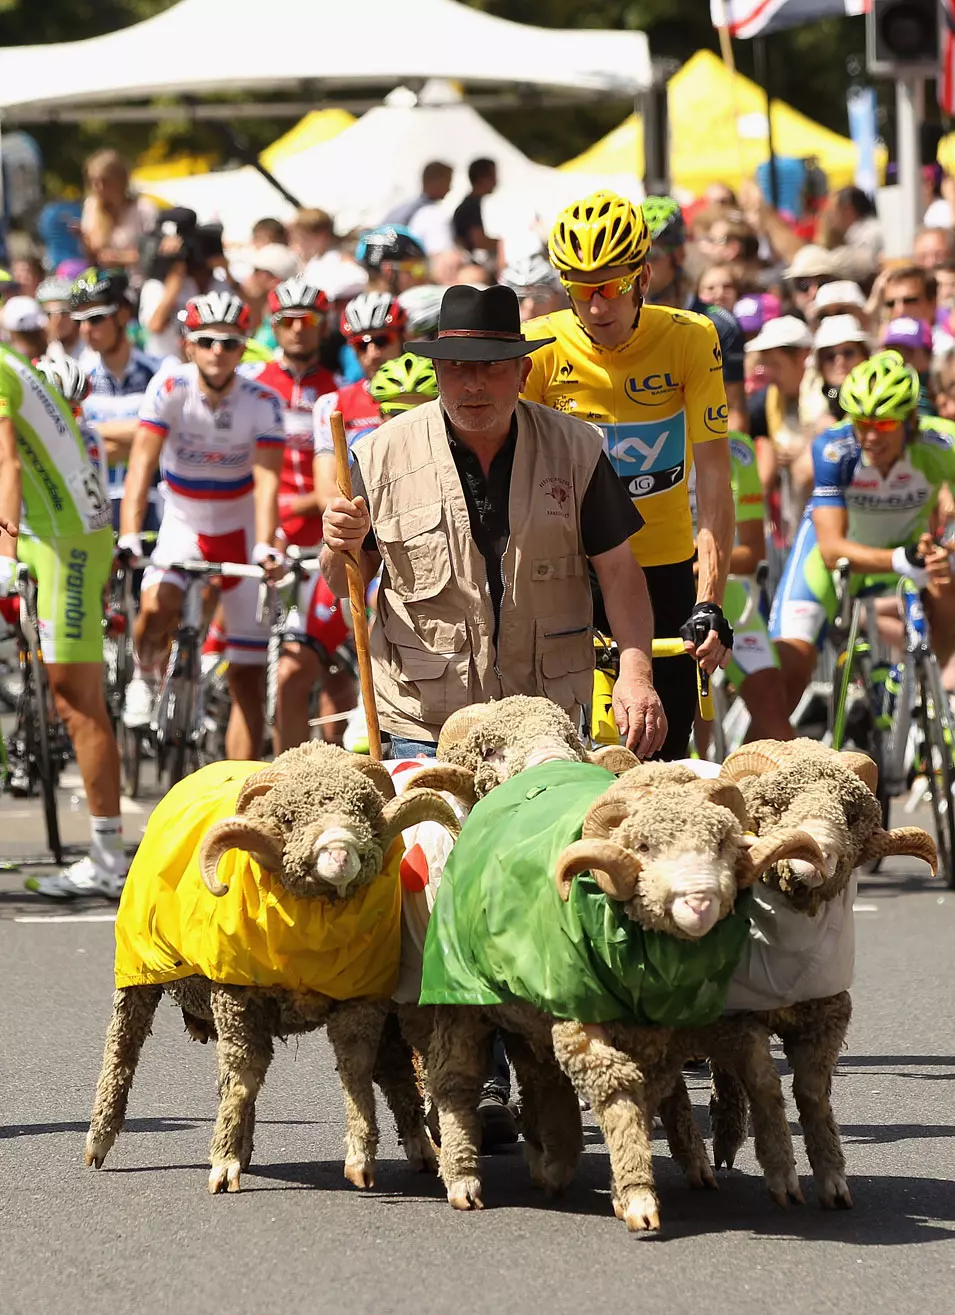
(478, 324)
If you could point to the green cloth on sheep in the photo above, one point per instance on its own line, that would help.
(500, 933)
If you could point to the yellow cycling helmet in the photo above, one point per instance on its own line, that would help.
(602, 229)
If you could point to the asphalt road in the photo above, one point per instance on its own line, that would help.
(144, 1235)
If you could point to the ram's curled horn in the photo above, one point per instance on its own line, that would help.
(251, 834)
(606, 813)
(413, 807)
(863, 767)
(725, 794)
(615, 870)
(377, 773)
(911, 840)
(615, 758)
(460, 724)
(754, 759)
(452, 777)
(259, 783)
(790, 842)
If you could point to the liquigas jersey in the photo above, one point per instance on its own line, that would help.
(656, 398)
(62, 494)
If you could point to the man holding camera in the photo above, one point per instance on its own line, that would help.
(182, 265)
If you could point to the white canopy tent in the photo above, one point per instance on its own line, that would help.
(218, 47)
(376, 163)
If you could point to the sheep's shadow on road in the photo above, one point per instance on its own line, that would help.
(167, 1124)
(897, 1066)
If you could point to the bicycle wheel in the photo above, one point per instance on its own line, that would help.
(180, 714)
(935, 726)
(40, 745)
(131, 758)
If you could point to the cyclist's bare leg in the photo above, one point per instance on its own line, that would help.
(160, 610)
(764, 693)
(299, 671)
(246, 730)
(339, 694)
(940, 608)
(797, 661)
(77, 689)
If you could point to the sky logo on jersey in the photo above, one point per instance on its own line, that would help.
(652, 389)
(716, 418)
(649, 456)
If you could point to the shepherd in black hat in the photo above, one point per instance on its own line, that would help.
(478, 324)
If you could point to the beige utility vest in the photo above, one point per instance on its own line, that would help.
(432, 645)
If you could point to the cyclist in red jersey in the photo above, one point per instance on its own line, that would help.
(373, 323)
(297, 313)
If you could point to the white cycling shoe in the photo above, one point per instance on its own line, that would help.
(355, 738)
(84, 877)
(138, 706)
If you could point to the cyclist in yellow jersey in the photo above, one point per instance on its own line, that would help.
(651, 377)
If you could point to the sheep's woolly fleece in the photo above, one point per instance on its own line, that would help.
(170, 926)
(500, 933)
(512, 726)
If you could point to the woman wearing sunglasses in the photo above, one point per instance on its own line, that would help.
(651, 377)
(877, 479)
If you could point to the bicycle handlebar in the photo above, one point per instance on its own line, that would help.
(668, 648)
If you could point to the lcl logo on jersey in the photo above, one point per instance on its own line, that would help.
(716, 418)
(652, 389)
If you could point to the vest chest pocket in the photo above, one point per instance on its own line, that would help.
(564, 660)
(415, 549)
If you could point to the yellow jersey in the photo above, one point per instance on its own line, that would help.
(656, 396)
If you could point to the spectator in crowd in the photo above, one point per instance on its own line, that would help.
(943, 384)
(721, 194)
(911, 291)
(732, 240)
(335, 353)
(912, 339)
(269, 232)
(938, 208)
(468, 218)
(272, 264)
(63, 332)
(24, 326)
(58, 228)
(850, 221)
(393, 258)
(773, 231)
(811, 267)
(718, 285)
(944, 290)
(784, 345)
(840, 344)
(113, 220)
(841, 297)
(185, 265)
(753, 311)
(27, 273)
(478, 276)
(424, 217)
(312, 238)
(933, 247)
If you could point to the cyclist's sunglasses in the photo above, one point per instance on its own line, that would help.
(610, 290)
(307, 317)
(863, 424)
(208, 340)
(379, 339)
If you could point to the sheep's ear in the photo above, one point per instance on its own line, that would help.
(451, 777)
(911, 840)
(376, 772)
(615, 758)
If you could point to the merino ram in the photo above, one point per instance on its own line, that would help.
(303, 933)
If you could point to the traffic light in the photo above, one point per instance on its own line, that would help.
(902, 37)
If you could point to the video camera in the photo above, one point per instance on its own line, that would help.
(200, 243)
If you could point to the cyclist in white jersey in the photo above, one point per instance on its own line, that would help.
(66, 541)
(218, 439)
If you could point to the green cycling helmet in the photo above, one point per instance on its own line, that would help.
(403, 384)
(665, 221)
(881, 388)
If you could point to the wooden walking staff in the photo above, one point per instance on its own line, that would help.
(356, 596)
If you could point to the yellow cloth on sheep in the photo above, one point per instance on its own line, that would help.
(170, 926)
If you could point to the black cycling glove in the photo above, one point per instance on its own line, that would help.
(704, 618)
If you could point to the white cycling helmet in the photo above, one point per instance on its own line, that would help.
(66, 378)
(372, 312)
(216, 308)
(296, 294)
(53, 290)
(422, 305)
(533, 271)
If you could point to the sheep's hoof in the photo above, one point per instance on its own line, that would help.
(465, 1194)
(555, 1176)
(360, 1171)
(834, 1191)
(702, 1176)
(617, 1208)
(96, 1150)
(642, 1212)
(725, 1151)
(225, 1177)
(784, 1187)
(534, 1159)
(420, 1153)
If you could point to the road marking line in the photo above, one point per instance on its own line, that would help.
(865, 908)
(68, 917)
